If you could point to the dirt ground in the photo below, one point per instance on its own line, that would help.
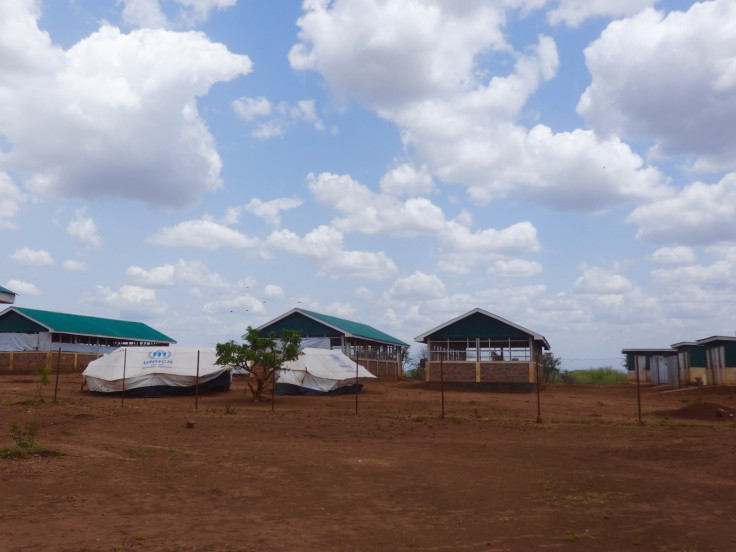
(314, 475)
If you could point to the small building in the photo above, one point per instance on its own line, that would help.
(379, 352)
(29, 337)
(655, 366)
(6, 296)
(720, 357)
(691, 362)
(479, 347)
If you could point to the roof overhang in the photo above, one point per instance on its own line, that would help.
(534, 335)
(662, 351)
(715, 339)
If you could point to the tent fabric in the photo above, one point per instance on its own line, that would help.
(320, 371)
(156, 371)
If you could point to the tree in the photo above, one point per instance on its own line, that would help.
(416, 361)
(260, 355)
(550, 367)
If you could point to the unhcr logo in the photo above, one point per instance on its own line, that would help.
(160, 354)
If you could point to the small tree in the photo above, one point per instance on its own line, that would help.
(550, 367)
(260, 355)
(416, 362)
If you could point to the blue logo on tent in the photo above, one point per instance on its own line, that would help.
(160, 354)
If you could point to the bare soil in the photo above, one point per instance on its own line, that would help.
(314, 475)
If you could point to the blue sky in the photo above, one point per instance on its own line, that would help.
(205, 165)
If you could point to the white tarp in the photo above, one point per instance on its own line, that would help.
(152, 367)
(321, 370)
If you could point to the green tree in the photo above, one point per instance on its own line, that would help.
(414, 363)
(550, 367)
(260, 355)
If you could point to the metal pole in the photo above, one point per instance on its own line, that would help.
(196, 385)
(638, 392)
(273, 389)
(356, 384)
(125, 360)
(58, 367)
(539, 401)
(442, 381)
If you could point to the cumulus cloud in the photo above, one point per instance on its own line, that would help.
(115, 115)
(280, 117)
(10, 199)
(700, 213)
(514, 268)
(669, 79)
(270, 211)
(272, 291)
(148, 13)
(202, 233)
(407, 180)
(416, 65)
(21, 287)
(84, 230)
(573, 12)
(325, 246)
(418, 286)
(240, 303)
(601, 281)
(31, 258)
(130, 299)
(71, 265)
(680, 255)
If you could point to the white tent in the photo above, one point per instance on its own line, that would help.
(157, 371)
(320, 372)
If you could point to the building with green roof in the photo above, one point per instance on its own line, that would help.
(379, 352)
(480, 348)
(39, 330)
(6, 296)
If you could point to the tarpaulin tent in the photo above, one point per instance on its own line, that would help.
(157, 371)
(320, 372)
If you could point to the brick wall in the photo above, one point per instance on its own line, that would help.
(26, 362)
(490, 372)
(511, 372)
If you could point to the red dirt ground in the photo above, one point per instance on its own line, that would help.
(313, 475)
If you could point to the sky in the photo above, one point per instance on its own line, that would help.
(206, 165)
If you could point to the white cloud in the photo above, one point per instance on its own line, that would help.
(270, 211)
(71, 265)
(272, 291)
(573, 12)
(184, 272)
(148, 13)
(680, 255)
(250, 108)
(30, 257)
(460, 248)
(418, 286)
(113, 116)
(10, 199)
(415, 64)
(670, 79)
(131, 299)
(719, 274)
(343, 310)
(514, 268)
(84, 229)
(22, 288)
(239, 304)
(284, 116)
(407, 180)
(202, 233)
(700, 213)
(325, 245)
(600, 281)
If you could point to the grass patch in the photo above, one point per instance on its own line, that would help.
(25, 442)
(604, 375)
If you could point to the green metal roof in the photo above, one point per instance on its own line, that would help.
(343, 326)
(6, 290)
(59, 322)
